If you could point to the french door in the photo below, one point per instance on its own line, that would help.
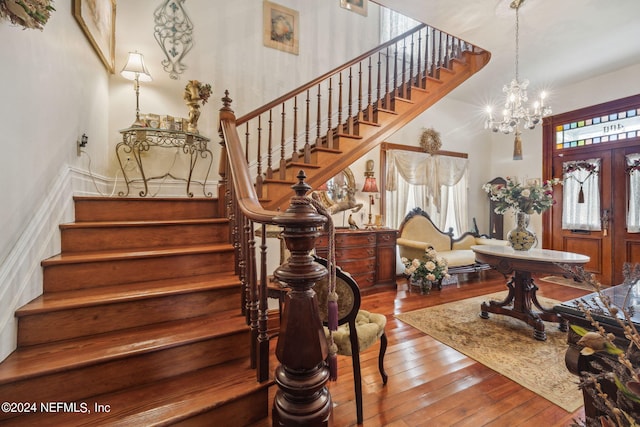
(590, 150)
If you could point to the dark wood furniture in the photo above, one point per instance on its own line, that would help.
(577, 362)
(370, 325)
(522, 290)
(496, 220)
(368, 255)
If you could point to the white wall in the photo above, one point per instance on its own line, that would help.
(228, 53)
(54, 88)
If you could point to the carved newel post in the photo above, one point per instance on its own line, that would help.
(302, 398)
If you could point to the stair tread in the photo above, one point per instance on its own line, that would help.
(162, 402)
(105, 224)
(64, 300)
(72, 258)
(54, 357)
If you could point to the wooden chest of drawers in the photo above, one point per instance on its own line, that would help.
(368, 255)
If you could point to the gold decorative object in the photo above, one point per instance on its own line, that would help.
(430, 141)
(194, 94)
(338, 194)
(27, 13)
(517, 146)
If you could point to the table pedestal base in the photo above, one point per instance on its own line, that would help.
(517, 304)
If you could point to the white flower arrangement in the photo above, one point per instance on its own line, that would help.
(431, 267)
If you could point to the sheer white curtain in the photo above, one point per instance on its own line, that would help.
(393, 24)
(633, 209)
(581, 212)
(437, 184)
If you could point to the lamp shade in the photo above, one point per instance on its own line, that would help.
(135, 68)
(370, 185)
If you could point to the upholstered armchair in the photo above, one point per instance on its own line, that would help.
(357, 329)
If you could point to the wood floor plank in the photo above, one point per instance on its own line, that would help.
(431, 384)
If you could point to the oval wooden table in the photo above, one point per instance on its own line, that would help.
(522, 290)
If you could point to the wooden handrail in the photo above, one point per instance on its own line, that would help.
(325, 76)
(242, 182)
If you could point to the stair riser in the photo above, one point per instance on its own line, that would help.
(87, 321)
(148, 237)
(240, 412)
(62, 277)
(78, 384)
(128, 209)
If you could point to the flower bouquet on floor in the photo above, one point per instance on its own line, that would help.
(426, 272)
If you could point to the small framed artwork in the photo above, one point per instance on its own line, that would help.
(281, 27)
(97, 18)
(358, 6)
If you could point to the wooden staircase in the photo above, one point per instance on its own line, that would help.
(339, 146)
(139, 323)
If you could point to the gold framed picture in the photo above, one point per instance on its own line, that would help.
(281, 27)
(358, 6)
(97, 18)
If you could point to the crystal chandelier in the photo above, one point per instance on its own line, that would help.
(517, 113)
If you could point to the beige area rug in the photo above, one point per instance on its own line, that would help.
(505, 345)
(559, 280)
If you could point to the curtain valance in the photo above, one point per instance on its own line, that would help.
(425, 169)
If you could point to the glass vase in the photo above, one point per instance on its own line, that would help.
(522, 238)
(423, 284)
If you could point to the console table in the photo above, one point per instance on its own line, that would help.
(137, 140)
(522, 290)
(369, 256)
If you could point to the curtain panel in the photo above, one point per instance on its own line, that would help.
(427, 180)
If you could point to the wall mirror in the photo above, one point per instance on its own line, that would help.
(339, 193)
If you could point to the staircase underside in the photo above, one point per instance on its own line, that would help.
(371, 131)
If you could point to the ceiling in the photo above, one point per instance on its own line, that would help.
(561, 41)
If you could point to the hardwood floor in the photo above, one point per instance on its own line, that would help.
(431, 384)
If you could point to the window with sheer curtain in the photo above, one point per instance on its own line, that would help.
(633, 197)
(437, 184)
(581, 195)
(392, 24)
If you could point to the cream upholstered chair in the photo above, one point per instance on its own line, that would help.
(357, 329)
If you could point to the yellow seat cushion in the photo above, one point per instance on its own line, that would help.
(369, 327)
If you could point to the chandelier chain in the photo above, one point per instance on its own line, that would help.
(517, 43)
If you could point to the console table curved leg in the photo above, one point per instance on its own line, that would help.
(126, 149)
(548, 314)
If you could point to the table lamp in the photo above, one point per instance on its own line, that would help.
(136, 70)
(370, 186)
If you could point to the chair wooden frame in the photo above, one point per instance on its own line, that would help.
(347, 282)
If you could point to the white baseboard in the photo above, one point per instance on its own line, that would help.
(21, 272)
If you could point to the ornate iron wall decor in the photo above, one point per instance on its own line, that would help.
(173, 32)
